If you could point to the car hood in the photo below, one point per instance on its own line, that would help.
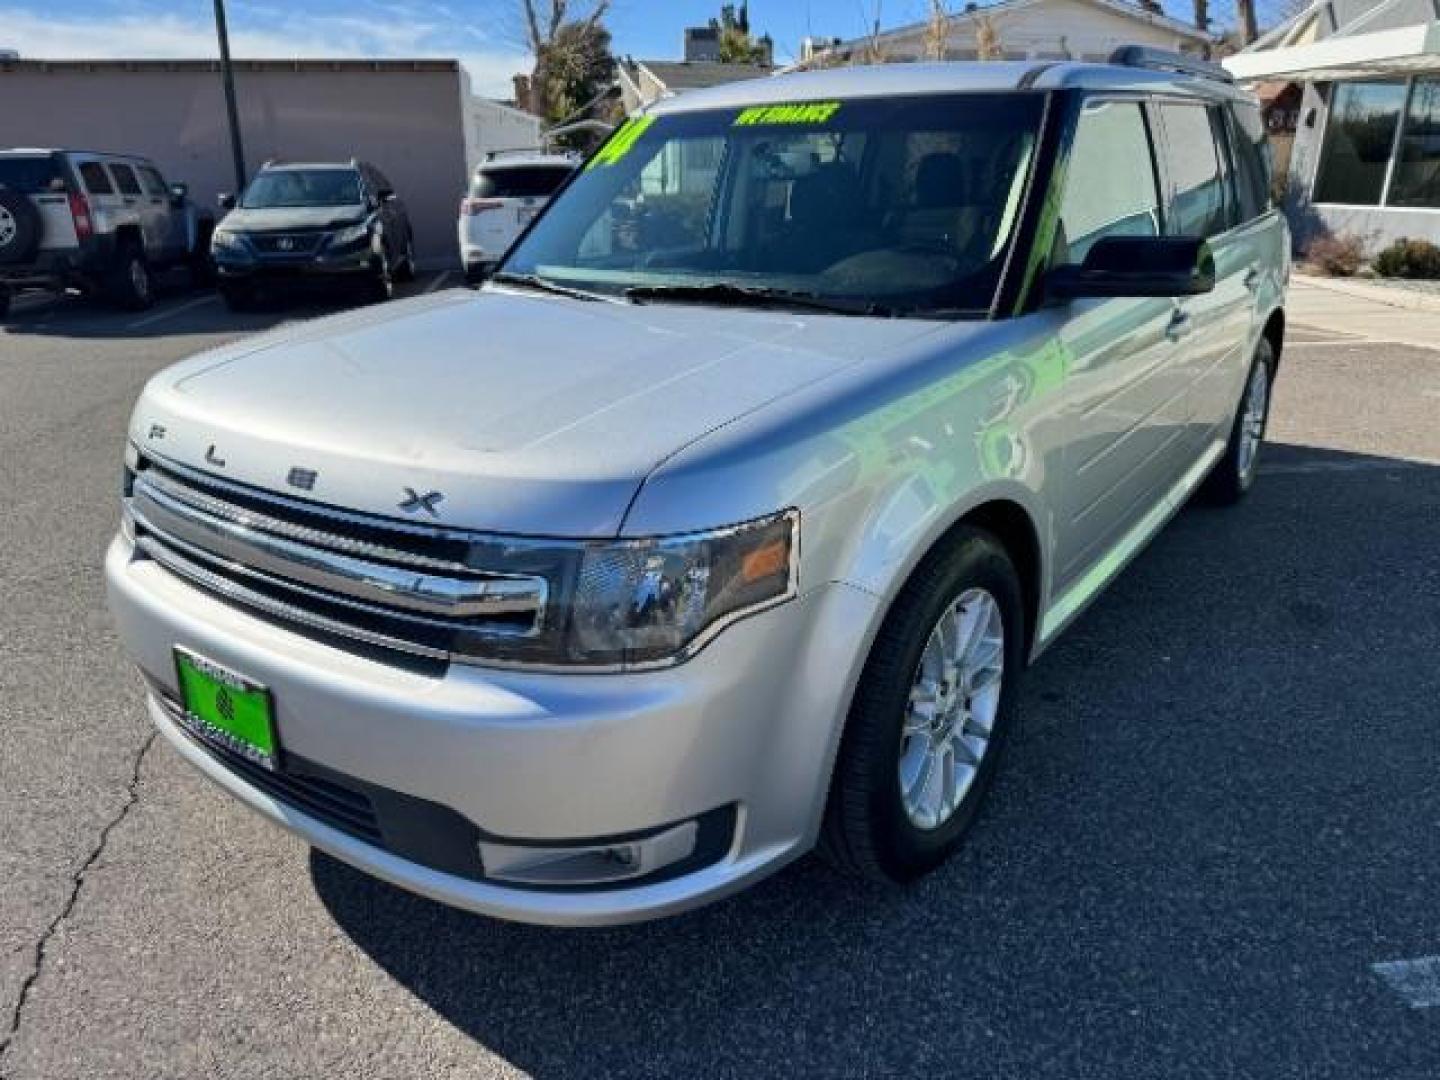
(287, 218)
(531, 414)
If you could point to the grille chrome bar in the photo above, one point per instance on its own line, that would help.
(390, 585)
(224, 584)
(243, 540)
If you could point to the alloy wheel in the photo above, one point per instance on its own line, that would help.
(950, 716)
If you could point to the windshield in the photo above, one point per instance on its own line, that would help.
(905, 202)
(303, 187)
(519, 181)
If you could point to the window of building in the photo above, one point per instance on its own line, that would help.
(1359, 138)
(1198, 204)
(1106, 194)
(1416, 181)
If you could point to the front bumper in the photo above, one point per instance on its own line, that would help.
(743, 734)
(310, 270)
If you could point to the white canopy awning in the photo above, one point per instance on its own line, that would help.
(1406, 51)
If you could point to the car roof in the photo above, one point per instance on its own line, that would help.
(521, 158)
(950, 77)
(295, 166)
(30, 151)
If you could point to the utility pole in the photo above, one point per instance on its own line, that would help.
(1249, 31)
(227, 72)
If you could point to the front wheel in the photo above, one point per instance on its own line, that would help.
(1234, 475)
(381, 286)
(930, 715)
(406, 270)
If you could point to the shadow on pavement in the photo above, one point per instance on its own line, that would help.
(179, 310)
(1219, 811)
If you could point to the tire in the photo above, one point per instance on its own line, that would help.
(201, 262)
(381, 286)
(1234, 474)
(869, 828)
(20, 227)
(238, 298)
(131, 286)
(406, 270)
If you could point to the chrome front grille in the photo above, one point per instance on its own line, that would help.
(417, 590)
(287, 243)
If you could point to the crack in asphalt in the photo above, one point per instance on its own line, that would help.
(77, 882)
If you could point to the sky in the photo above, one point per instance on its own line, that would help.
(487, 35)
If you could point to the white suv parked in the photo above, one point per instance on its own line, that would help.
(506, 193)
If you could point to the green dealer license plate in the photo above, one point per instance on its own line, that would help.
(227, 709)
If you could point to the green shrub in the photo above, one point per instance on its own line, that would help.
(1409, 259)
(1336, 256)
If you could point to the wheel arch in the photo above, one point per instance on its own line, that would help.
(1008, 515)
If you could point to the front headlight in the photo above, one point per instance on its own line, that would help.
(644, 602)
(227, 241)
(352, 234)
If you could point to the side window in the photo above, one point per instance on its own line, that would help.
(1197, 179)
(1110, 187)
(97, 180)
(1253, 158)
(154, 183)
(125, 179)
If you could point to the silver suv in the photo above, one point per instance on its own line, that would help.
(102, 223)
(726, 517)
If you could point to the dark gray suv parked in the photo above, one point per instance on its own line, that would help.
(305, 225)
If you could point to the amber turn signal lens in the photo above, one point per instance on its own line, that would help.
(766, 561)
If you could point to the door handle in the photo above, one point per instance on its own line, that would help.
(1180, 325)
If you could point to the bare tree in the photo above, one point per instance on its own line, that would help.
(987, 39)
(543, 20)
(1202, 15)
(873, 50)
(937, 31)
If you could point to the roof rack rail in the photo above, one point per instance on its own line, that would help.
(491, 155)
(1146, 56)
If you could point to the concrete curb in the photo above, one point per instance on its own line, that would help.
(1379, 294)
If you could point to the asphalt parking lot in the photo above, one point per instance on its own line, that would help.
(1222, 811)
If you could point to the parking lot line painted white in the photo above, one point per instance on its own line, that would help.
(1379, 465)
(161, 316)
(1417, 981)
(440, 279)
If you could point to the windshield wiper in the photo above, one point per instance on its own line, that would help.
(535, 281)
(724, 293)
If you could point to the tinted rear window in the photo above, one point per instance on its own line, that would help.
(125, 179)
(519, 181)
(30, 176)
(97, 180)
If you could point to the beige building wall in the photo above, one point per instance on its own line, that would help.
(408, 118)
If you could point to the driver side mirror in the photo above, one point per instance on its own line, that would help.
(1137, 266)
(179, 193)
(386, 195)
(227, 201)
